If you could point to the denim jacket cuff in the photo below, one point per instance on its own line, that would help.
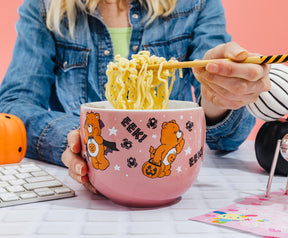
(233, 130)
(212, 124)
(55, 136)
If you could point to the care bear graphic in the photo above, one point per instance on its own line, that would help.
(94, 141)
(172, 143)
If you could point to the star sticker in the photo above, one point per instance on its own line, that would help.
(113, 131)
(188, 151)
(179, 169)
(117, 167)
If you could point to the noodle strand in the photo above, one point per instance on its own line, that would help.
(129, 88)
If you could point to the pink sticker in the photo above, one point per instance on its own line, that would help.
(256, 214)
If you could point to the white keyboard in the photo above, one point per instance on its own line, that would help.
(28, 183)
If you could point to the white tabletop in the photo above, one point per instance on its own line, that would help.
(223, 180)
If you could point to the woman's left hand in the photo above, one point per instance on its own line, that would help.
(227, 85)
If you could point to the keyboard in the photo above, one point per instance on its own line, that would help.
(26, 182)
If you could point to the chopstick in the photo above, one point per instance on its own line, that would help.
(270, 59)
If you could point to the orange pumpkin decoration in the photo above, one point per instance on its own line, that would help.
(13, 139)
(151, 170)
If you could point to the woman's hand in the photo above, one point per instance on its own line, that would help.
(227, 85)
(71, 157)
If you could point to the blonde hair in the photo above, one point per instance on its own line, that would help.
(58, 9)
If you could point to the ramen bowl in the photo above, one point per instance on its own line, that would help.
(142, 158)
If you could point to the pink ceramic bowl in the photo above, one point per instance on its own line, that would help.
(143, 158)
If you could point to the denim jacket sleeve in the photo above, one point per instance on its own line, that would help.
(230, 133)
(26, 88)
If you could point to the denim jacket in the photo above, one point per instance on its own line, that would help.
(50, 75)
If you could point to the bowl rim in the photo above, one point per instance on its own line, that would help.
(106, 106)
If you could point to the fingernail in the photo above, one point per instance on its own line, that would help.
(72, 147)
(238, 52)
(78, 168)
(212, 68)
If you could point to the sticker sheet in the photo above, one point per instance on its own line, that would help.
(266, 216)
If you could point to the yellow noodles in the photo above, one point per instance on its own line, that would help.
(132, 88)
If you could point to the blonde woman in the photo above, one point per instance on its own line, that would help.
(64, 46)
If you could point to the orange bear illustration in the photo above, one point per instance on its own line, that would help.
(172, 143)
(94, 141)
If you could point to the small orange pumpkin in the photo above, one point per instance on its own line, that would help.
(151, 170)
(13, 139)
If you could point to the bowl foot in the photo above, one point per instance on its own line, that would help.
(145, 203)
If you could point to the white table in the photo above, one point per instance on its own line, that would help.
(223, 179)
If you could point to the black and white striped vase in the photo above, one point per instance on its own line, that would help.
(273, 104)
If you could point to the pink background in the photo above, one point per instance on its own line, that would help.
(257, 25)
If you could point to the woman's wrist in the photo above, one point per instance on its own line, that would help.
(213, 113)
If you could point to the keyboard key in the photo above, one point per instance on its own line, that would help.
(28, 169)
(15, 189)
(39, 173)
(3, 190)
(6, 197)
(23, 175)
(17, 182)
(49, 184)
(11, 167)
(39, 179)
(9, 171)
(44, 192)
(7, 177)
(28, 195)
(3, 184)
(62, 190)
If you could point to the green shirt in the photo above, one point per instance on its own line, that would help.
(120, 38)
